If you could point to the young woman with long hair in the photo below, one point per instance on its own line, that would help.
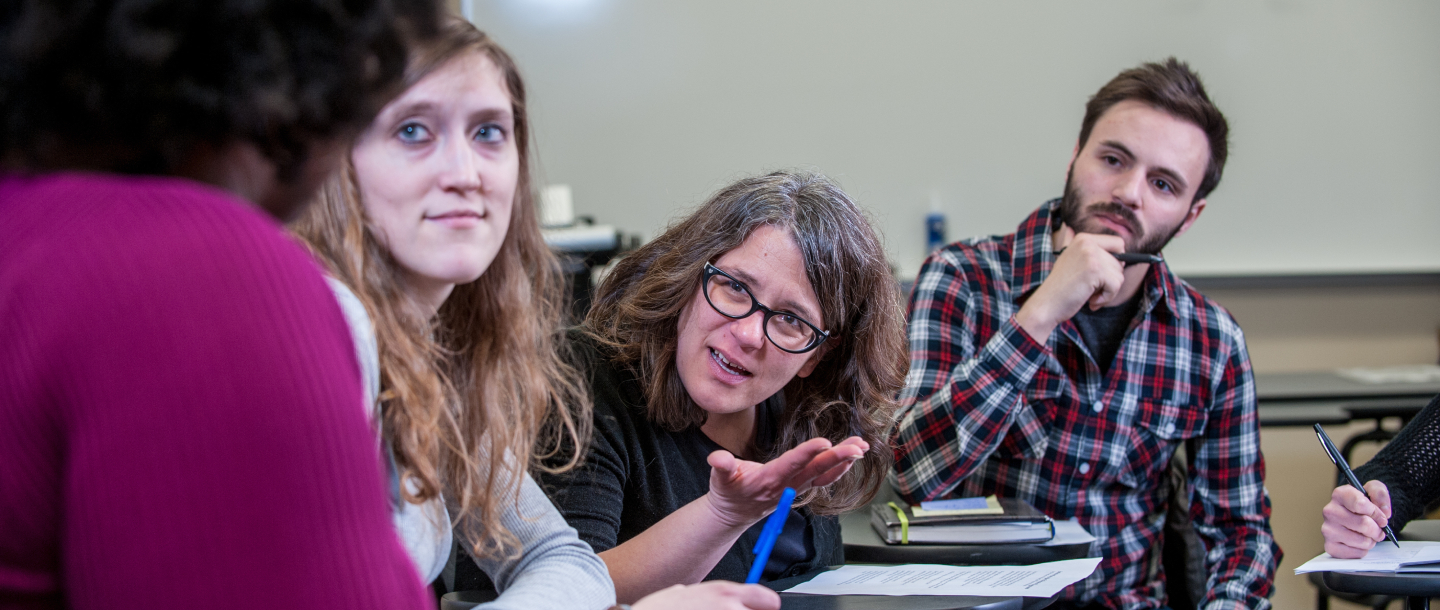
(755, 345)
(430, 235)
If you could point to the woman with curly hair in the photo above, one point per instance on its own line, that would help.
(430, 235)
(755, 345)
(177, 386)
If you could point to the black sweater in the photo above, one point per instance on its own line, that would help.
(636, 473)
(1409, 466)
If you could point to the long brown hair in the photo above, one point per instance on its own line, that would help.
(477, 395)
(851, 392)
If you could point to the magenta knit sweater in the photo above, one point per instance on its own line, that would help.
(179, 410)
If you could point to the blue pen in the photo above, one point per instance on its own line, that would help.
(768, 534)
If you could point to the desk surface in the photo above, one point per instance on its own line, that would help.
(863, 545)
(1302, 399)
(1328, 385)
(1390, 583)
(1384, 583)
(801, 601)
(465, 600)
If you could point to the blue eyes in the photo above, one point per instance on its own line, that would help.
(492, 134)
(416, 133)
(413, 133)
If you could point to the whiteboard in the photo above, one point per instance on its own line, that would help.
(645, 107)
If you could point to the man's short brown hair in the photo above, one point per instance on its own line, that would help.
(1173, 87)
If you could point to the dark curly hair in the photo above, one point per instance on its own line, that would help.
(134, 86)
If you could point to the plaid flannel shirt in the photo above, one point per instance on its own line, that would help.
(988, 410)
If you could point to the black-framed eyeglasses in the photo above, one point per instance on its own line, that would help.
(731, 298)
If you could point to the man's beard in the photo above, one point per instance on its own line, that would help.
(1075, 214)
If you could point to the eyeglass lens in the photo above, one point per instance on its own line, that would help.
(732, 299)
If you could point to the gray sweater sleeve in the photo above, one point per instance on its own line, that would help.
(554, 569)
(424, 528)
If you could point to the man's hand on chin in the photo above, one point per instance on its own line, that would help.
(1086, 273)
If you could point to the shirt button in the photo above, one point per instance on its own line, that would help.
(1170, 428)
(1084, 467)
(1099, 407)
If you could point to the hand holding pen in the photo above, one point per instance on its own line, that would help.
(1355, 520)
(769, 534)
(1357, 516)
(1130, 258)
(1085, 274)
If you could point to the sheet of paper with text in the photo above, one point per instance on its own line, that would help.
(1039, 580)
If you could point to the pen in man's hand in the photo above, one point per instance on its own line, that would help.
(1350, 478)
(1130, 258)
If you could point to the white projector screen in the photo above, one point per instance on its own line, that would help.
(644, 107)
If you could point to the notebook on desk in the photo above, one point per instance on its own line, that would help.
(1017, 523)
(1409, 557)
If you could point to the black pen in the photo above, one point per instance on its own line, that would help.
(1339, 460)
(1130, 258)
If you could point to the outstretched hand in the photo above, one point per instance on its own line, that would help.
(743, 492)
(1353, 523)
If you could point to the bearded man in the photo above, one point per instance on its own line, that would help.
(1045, 368)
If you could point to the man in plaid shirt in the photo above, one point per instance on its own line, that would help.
(1043, 368)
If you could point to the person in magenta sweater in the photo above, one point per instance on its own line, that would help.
(177, 386)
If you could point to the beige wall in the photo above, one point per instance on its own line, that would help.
(644, 107)
(1319, 328)
(1310, 329)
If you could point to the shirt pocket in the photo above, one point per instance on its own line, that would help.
(1030, 429)
(1029, 435)
(1158, 429)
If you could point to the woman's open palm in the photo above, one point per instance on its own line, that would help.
(743, 492)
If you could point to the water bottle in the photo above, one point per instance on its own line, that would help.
(934, 227)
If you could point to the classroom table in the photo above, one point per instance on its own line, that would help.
(465, 600)
(863, 545)
(1326, 397)
(1417, 588)
(802, 601)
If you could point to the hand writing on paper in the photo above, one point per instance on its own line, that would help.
(1354, 523)
(743, 492)
(1086, 273)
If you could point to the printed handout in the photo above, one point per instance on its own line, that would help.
(1039, 580)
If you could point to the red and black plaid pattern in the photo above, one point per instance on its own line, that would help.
(988, 410)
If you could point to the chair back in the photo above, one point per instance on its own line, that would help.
(465, 600)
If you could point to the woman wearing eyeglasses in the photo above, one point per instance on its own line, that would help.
(755, 345)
